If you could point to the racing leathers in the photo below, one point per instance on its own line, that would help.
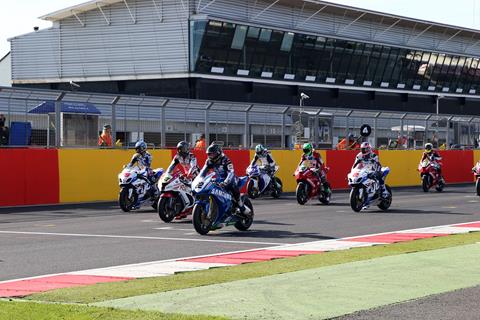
(188, 164)
(372, 159)
(433, 157)
(266, 161)
(144, 159)
(316, 162)
(224, 171)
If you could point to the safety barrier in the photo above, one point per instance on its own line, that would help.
(48, 176)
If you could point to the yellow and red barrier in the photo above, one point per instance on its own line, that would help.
(40, 176)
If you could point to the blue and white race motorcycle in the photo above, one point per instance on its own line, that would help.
(366, 189)
(135, 189)
(260, 182)
(214, 207)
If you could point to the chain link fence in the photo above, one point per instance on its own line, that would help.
(46, 118)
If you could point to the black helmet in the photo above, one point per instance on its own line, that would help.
(140, 147)
(214, 151)
(183, 148)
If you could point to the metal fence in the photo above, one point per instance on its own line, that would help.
(48, 118)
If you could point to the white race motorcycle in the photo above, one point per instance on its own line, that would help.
(366, 189)
(135, 189)
(260, 182)
(176, 199)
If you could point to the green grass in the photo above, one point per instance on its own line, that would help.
(116, 290)
(15, 310)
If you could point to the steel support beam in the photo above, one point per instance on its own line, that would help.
(78, 18)
(130, 11)
(158, 10)
(58, 120)
(264, 10)
(311, 16)
(103, 14)
(114, 119)
(351, 23)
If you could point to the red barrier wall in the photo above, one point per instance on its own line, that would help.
(340, 163)
(457, 165)
(30, 176)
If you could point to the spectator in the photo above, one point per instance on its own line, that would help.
(200, 143)
(348, 143)
(105, 139)
(4, 131)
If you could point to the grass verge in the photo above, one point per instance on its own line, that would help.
(14, 310)
(116, 290)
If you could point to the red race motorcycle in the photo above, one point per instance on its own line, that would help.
(476, 173)
(310, 186)
(429, 175)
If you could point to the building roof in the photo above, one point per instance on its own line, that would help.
(5, 56)
(326, 7)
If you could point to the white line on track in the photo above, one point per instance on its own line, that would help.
(136, 237)
(172, 229)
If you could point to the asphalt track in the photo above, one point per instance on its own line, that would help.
(46, 240)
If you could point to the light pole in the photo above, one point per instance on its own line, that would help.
(438, 120)
(303, 96)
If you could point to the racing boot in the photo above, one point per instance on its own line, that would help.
(243, 211)
(385, 194)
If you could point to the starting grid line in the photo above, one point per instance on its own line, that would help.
(28, 286)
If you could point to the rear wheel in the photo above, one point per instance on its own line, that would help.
(386, 203)
(477, 185)
(426, 182)
(302, 193)
(357, 198)
(245, 223)
(252, 192)
(325, 196)
(168, 208)
(440, 187)
(277, 188)
(127, 199)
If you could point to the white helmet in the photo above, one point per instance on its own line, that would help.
(365, 148)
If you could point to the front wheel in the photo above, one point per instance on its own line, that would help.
(251, 191)
(167, 209)
(245, 223)
(357, 198)
(302, 193)
(127, 199)
(477, 185)
(202, 219)
(386, 203)
(426, 184)
(277, 188)
(440, 187)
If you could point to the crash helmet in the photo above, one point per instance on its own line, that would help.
(365, 148)
(183, 148)
(214, 152)
(307, 149)
(428, 147)
(260, 150)
(140, 147)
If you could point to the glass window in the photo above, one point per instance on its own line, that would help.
(253, 32)
(325, 63)
(382, 63)
(239, 37)
(287, 41)
(265, 35)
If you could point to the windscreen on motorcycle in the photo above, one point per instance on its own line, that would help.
(201, 183)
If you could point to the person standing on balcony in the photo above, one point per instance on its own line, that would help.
(105, 139)
(200, 143)
(4, 132)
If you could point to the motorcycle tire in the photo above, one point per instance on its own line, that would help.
(355, 202)
(277, 188)
(302, 193)
(252, 194)
(477, 185)
(245, 223)
(199, 218)
(440, 187)
(426, 183)
(165, 213)
(325, 197)
(386, 203)
(126, 203)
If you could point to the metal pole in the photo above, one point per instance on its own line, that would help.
(282, 139)
(207, 118)
(58, 119)
(114, 120)
(163, 136)
(246, 136)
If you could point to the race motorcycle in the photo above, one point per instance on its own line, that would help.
(135, 189)
(476, 173)
(309, 185)
(214, 206)
(429, 175)
(176, 198)
(366, 189)
(260, 182)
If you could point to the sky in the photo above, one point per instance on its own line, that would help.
(20, 16)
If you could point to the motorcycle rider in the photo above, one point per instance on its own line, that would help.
(433, 156)
(223, 167)
(367, 156)
(316, 163)
(144, 158)
(262, 155)
(186, 159)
